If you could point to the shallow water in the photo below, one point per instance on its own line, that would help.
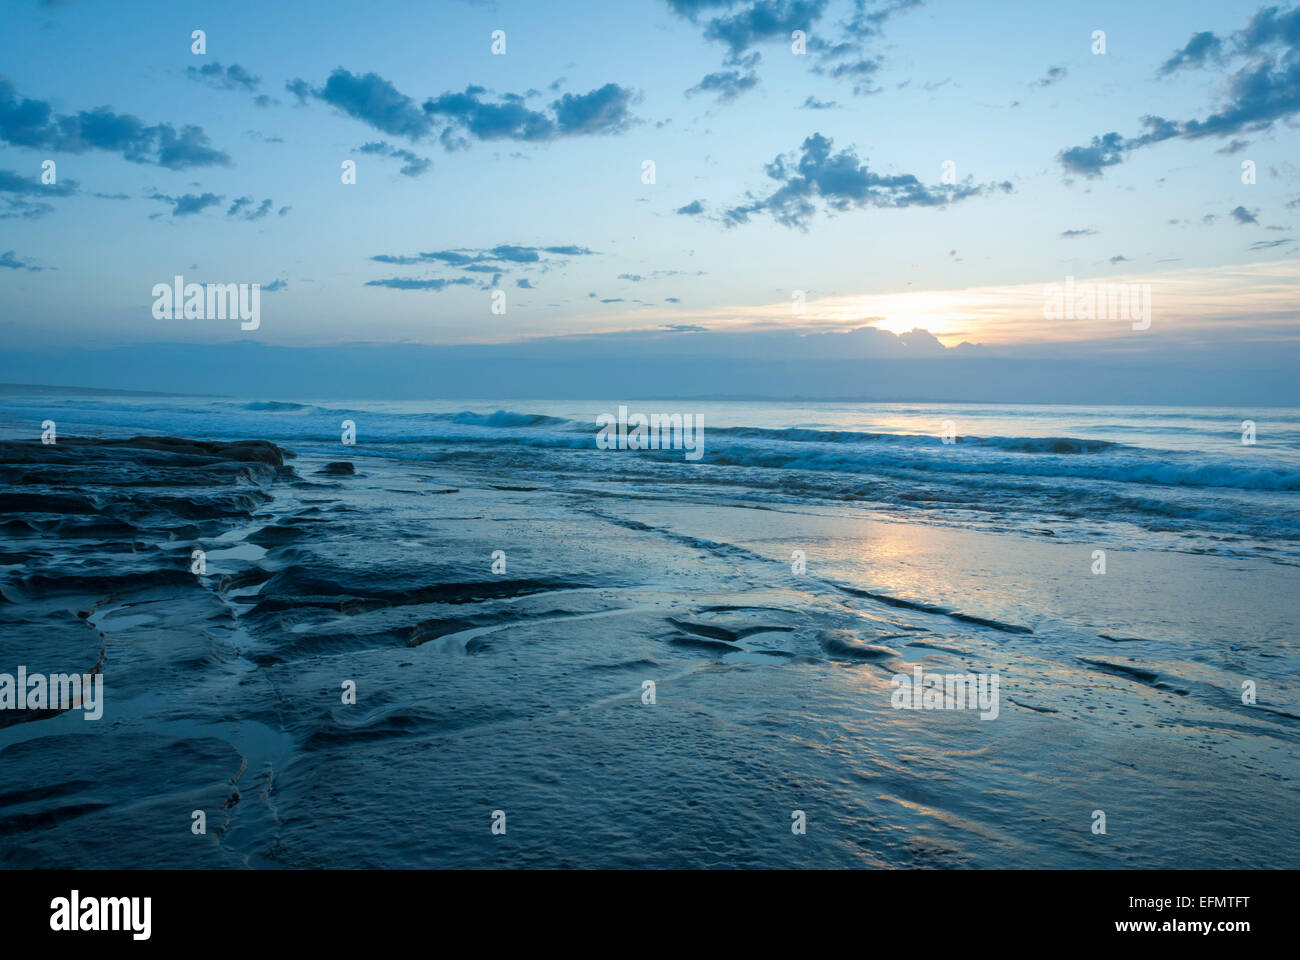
(521, 690)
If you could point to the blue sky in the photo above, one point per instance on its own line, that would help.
(1002, 90)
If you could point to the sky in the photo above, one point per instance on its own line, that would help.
(924, 169)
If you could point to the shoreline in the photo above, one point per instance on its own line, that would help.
(522, 689)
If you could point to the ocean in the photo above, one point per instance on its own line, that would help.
(498, 591)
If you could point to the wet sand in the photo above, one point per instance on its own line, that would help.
(521, 690)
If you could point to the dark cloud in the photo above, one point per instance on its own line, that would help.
(33, 123)
(859, 71)
(742, 25)
(244, 209)
(1089, 161)
(604, 110)
(11, 182)
(373, 100)
(762, 21)
(473, 114)
(502, 253)
(524, 284)
(10, 260)
(495, 261)
(273, 286)
(570, 250)
(1074, 234)
(1202, 47)
(233, 77)
(840, 181)
(299, 88)
(405, 283)
(19, 193)
(1264, 90)
(412, 164)
(1120, 259)
(727, 84)
(692, 209)
(469, 113)
(189, 203)
(19, 208)
(1244, 216)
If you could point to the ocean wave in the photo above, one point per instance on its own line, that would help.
(502, 418)
(1046, 444)
(277, 406)
(1065, 445)
(1154, 468)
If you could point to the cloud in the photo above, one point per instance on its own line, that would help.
(604, 110)
(1089, 161)
(742, 25)
(244, 209)
(1075, 234)
(33, 123)
(1264, 90)
(692, 209)
(299, 88)
(727, 84)
(502, 253)
(1244, 216)
(189, 203)
(859, 71)
(1053, 75)
(841, 181)
(233, 77)
(11, 182)
(1120, 259)
(1202, 47)
(18, 208)
(18, 193)
(404, 283)
(496, 261)
(9, 260)
(412, 164)
(812, 103)
(757, 22)
(524, 284)
(459, 118)
(1269, 244)
(372, 100)
(273, 286)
